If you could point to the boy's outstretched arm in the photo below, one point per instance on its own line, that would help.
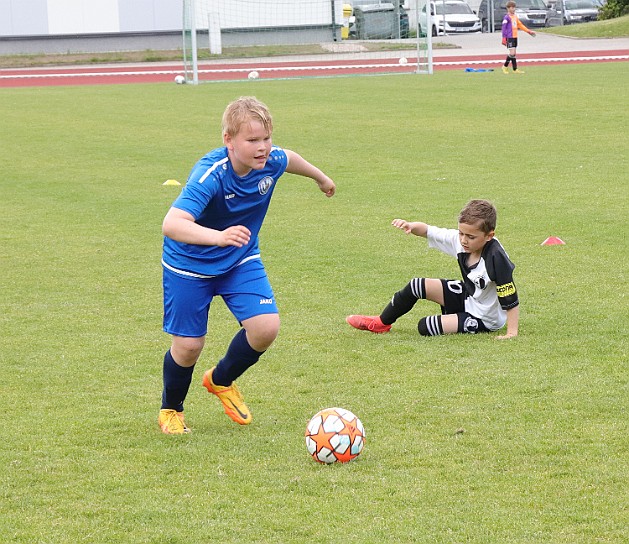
(179, 225)
(513, 316)
(301, 167)
(417, 228)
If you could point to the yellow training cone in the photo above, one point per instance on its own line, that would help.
(171, 182)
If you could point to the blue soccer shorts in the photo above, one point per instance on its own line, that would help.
(246, 291)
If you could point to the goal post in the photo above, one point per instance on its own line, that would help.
(190, 57)
(279, 39)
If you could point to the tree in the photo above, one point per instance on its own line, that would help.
(613, 9)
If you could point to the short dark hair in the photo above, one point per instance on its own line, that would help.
(481, 213)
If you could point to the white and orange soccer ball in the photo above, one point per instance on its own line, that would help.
(335, 435)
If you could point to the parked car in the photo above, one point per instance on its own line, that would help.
(379, 4)
(567, 12)
(532, 13)
(449, 17)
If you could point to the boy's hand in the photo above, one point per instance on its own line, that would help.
(506, 336)
(402, 225)
(234, 236)
(513, 317)
(327, 186)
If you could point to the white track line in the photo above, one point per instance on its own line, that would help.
(89, 74)
(322, 67)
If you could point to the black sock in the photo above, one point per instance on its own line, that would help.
(507, 61)
(176, 383)
(403, 301)
(515, 64)
(239, 357)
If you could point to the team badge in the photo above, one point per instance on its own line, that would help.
(480, 283)
(265, 184)
(470, 325)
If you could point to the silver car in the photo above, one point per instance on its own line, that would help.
(532, 13)
(566, 12)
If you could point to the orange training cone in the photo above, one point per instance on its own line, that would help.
(553, 241)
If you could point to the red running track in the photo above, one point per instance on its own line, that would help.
(146, 73)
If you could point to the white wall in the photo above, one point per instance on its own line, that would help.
(80, 17)
(60, 17)
(63, 17)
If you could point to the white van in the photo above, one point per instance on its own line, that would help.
(449, 17)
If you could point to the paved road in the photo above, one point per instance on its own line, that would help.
(489, 44)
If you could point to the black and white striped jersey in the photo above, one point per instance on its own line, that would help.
(489, 286)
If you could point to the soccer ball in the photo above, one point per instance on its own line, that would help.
(180, 80)
(334, 435)
(403, 60)
(253, 75)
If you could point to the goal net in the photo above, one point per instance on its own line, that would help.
(279, 39)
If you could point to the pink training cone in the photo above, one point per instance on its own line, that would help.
(553, 241)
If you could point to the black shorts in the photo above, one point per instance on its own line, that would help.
(512, 43)
(454, 303)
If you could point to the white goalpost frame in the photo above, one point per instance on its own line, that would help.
(428, 50)
(189, 19)
(428, 53)
(201, 16)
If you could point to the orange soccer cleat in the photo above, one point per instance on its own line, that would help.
(370, 323)
(231, 398)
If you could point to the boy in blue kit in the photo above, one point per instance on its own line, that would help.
(211, 249)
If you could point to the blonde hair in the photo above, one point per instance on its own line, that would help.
(481, 213)
(244, 110)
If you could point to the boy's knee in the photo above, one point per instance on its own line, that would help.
(265, 337)
(262, 332)
(186, 350)
(422, 327)
(430, 326)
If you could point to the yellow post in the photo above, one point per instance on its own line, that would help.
(347, 13)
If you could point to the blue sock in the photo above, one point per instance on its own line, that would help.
(239, 357)
(176, 383)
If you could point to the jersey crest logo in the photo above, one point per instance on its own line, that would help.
(470, 325)
(480, 283)
(265, 184)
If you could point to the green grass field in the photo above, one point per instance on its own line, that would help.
(609, 28)
(469, 439)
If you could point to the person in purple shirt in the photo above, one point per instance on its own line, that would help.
(211, 249)
(510, 25)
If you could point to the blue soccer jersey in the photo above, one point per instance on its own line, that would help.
(217, 198)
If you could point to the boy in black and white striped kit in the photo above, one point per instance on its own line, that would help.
(484, 301)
